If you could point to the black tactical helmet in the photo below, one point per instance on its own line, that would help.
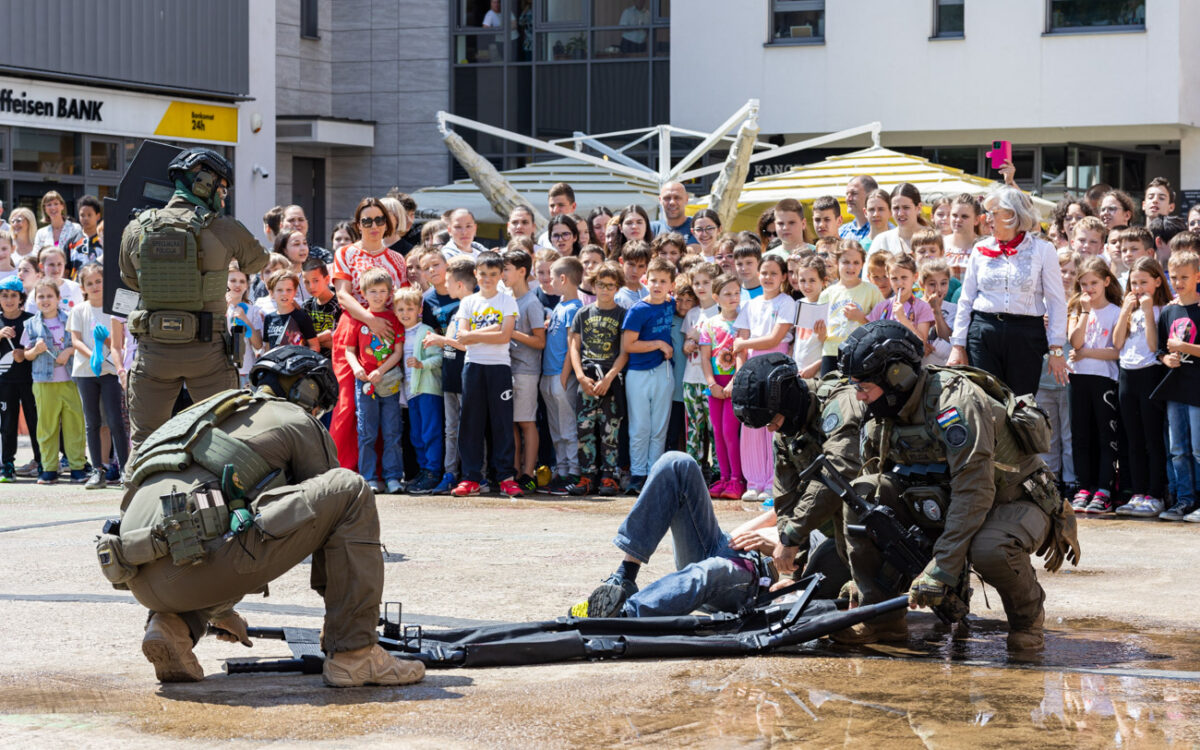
(887, 354)
(298, 374)
(187, 160)
(767, 385)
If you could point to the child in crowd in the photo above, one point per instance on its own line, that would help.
(848, 300)
(685, 302)
(96, 375)
(259, 291)
(670, 246)
(416, 277)
(528, 343)
(293, 245)
(646, 337)
(929, 245)
(718, 362)
(241, 313)
(486, 321)
(1135, 243)
(936, 281)
(1178, 325)
(810, 282)
(1088, 236)
(1094, 384)
(7, 267)
(28, 273)
(695, 401)
(288, 324)
(46, 342)
(747, 255)
(1053, 396)
(1142, 417)
(423, 391)
(723, 253)
(939, 212)
(877, 273)
(597, 360)
(377, 388)
(964, 218)
(53, 264)
(458, 280)
(16, 382)
(462, 227)
(543, 261)
(764, 325)
(904, 307)
(635, 257)
(559, 388)
(592, 257)
(321, 306)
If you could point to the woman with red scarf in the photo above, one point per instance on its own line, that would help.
(349, 264)
(1012, 308)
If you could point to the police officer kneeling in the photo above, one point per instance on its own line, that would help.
(232, 493)
(954, 452)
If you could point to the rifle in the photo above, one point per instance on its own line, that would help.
(907, 551)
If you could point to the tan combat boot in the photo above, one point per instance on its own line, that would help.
(370, 666)
(876, 631)
(168, 646)
(1030, 638)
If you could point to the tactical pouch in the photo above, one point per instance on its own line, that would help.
(113, 564)
(172, 327)
(1042, 490)
(927, 505)
(167, 261)
(211, 514)
(1029, 424)
(141, 546)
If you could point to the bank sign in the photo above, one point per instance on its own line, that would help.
(109, 111)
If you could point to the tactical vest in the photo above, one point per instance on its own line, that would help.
(169, 261)
(803, 448)
(194, 436)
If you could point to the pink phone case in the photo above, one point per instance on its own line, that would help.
(1000, 153)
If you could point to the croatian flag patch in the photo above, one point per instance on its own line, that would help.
(948, 417)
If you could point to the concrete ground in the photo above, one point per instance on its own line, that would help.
(1121, 665)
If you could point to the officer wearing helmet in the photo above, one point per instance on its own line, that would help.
(230, 494)
(177, 257)
(808, 417)
(949, 450)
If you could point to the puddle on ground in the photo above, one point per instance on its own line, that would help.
(1097, 684)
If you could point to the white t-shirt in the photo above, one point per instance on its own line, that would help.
(410, 350)
(941, 347)
(477, 311)
(691, 371)
(890, 242)
(83, 320)
(1136, 354)
(70, 294)
(1099, 335)
(760, 316)
(808, 345)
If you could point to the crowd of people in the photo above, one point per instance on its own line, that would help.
(569, 360)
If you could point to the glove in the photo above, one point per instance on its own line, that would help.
(1062, 540)
(99, 336)
(234, 626)
(926, 591)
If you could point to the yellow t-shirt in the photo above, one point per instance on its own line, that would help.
(866, 295)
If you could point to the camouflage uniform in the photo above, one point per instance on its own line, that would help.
(599, 426)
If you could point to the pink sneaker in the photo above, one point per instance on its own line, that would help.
(718, 489)
(734, 490)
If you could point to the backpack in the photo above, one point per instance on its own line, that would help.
(1029, 425)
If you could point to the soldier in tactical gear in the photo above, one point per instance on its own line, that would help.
(808, 417)
(178, 257)
(726, 571)
(952, 451)
(230, 494)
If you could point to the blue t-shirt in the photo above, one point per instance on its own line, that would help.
(660, 226)
(557, 329)
(679, 360)
(437, 311)
(652, 323)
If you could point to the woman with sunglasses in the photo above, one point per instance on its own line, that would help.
(706, 228)
(564, 234)
(349, 264)
(766, 227)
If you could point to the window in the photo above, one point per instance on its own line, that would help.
(46, 151)
(1096, 15)
(948, 19)
(797, 22)
(308, 20)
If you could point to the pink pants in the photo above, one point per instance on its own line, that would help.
(725, 433)
(757, 446)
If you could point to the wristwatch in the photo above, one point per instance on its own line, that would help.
(1056, 351)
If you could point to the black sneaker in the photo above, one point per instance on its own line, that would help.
(560, 486)
(583, 487)
(607, 600)
(8, 473)
(1176, 512)
(527, 484)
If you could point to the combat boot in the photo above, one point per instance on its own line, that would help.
(1029, 638)
(371, 665)
(876, 631)
(168, 646)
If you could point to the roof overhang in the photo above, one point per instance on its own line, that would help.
(324, 131)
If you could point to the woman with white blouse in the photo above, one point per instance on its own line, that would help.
(1012, 303)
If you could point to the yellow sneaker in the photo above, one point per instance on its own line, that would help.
(543, 476)
(371, 665)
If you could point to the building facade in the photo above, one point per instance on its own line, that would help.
(1086, 90)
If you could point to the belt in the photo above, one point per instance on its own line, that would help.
(1009, 317)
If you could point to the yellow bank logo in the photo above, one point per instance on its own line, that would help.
(205, 122)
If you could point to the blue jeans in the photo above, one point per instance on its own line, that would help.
(425, 430)
(709, 574)
(378, 414)
(648, 399)
(1184, 423)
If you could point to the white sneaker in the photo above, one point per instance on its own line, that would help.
(750, 496)
(1128, 508)
(1150, 507)
(1193, 517)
